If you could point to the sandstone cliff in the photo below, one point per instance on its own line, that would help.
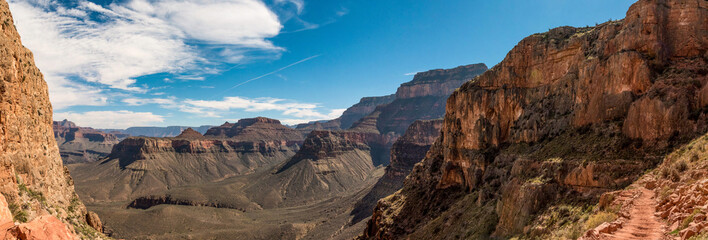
(36, 185)
(82, 144)
(566, 115)
(424, 97)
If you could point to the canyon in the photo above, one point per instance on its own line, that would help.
(566, 116)
(579, 133)
(311, 177)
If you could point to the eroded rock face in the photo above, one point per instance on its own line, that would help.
(405, 153)
(636, 82)
(29, 157)
(423, 98)
(81, 144)
(439, 82)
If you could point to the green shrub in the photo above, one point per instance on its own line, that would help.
(18, 213)
(599, 218)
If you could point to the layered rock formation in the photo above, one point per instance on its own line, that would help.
(36, 185)
(140, 166)
(572, 110)
(329, 163)
(82, 144)
(424, 97)
(364, 107)
(255, 129)
(405, 153)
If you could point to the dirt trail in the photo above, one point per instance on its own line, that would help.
(642, 223)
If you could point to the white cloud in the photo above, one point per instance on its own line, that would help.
(410, 73)
(167, 102)
(111, 119)
(304, 111)
(114, 45)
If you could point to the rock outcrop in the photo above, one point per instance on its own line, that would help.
(42, 227)
(255, 129)
(522, 135)
(82, 144)
(139, 166)
(189, 133)
(37, 187)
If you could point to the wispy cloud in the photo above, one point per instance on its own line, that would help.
(410, 73)
(85, 49)
(268, 74)
(284, 106)
(111, 119)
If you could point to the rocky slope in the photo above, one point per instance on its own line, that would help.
(329, 163)
(567, 115)
(139, 166)
(82, 144)
(36, 186)
(405, 153)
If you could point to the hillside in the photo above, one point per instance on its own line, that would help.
(567, 115)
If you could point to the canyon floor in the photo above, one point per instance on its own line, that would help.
(324, 219)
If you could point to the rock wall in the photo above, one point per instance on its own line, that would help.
(439, 82)
(31, 172)
(636, 83)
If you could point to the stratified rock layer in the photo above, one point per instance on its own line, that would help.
(82, 144)
(571, 110)
(140, 166)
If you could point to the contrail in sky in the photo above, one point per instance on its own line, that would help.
(270, 73)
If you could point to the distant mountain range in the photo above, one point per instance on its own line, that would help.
(170, 131)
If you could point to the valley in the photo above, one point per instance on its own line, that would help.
(306, 182)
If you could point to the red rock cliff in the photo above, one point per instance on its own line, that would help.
(31, 171)
(578, 108)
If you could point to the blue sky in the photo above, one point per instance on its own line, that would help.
(115, 64)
